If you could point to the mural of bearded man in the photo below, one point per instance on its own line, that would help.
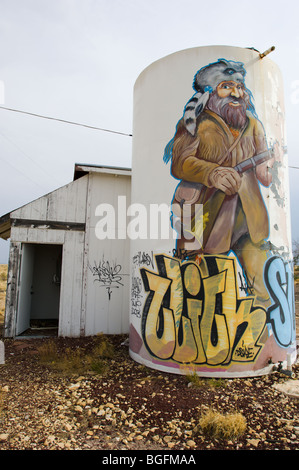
(219, 131)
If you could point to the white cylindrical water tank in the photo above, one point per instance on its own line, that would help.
(211, 259)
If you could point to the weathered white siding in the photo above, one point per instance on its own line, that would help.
(66, 204)
(106, 304)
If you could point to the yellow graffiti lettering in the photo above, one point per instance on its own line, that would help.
(194, 311)
(160, 345)
(185, 350)
(213, 327)
(192, 316)
(254, 322)
(192, 279)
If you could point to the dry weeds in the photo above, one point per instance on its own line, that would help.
(76, 360)
(223, 426)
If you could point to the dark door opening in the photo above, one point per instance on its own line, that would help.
(39, 290)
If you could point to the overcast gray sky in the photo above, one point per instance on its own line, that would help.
(78, 60)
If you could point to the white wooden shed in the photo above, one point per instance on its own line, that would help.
(59, 270)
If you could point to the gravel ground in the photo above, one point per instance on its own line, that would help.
(131, 407)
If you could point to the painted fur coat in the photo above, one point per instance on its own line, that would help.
(194, 158)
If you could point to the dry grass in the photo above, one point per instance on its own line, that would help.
(2, 398)
(222, 426)
(77, 360)
(199, 382)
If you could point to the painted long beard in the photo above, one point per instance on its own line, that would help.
(234, 117)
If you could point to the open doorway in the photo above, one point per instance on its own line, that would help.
(39, 290)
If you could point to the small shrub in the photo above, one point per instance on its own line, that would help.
(198, 381)
(103, 348)
(48, 352)
(98, 366)
(195, 380)
(217, 382)
(70, 361)
(217, 425)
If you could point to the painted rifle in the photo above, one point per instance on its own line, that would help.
(219, 196)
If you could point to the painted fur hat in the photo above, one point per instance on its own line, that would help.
(205, 82)
(209, 77)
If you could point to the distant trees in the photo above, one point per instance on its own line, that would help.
(296, 252)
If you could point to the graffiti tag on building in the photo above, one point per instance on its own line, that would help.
(107, 274)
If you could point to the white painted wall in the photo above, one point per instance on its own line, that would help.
(106, 304)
